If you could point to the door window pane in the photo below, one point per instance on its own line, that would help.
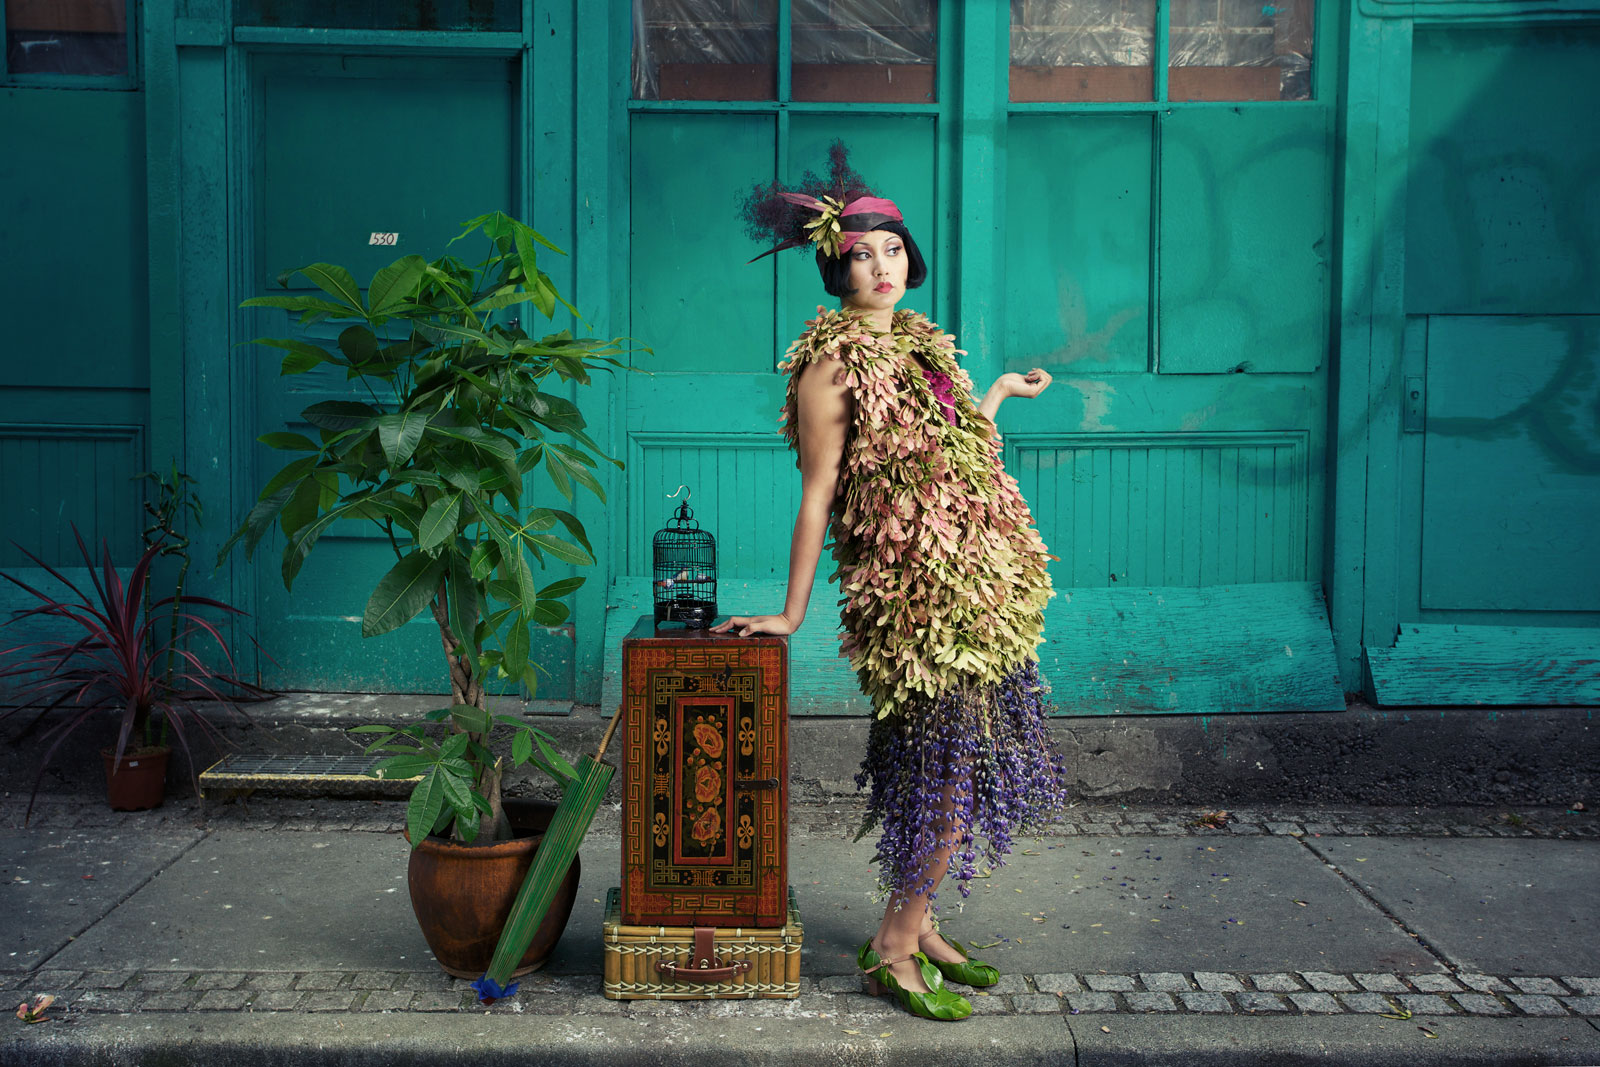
(1240, 50)
(480, 15)
(1076, 50)
(864, 50)
(67, 37)
(705, 49)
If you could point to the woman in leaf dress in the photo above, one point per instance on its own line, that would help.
(942, 574)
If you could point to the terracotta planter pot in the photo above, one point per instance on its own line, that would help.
(138, 781)
(463, 893)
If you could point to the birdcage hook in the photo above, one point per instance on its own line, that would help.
(683, 514)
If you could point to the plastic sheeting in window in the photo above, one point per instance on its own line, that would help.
(1240, 50)
(864, 50)
(1082, 33)
(1079, 50)
(1217, 49)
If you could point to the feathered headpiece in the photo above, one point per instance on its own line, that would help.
(830, 212)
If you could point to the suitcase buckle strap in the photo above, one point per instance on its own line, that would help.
(705, 965)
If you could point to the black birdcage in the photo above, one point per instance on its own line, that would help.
(685, 571)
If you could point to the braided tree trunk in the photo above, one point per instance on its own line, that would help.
(467, 688)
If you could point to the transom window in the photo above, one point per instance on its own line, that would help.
(67, 43)
(869, 51)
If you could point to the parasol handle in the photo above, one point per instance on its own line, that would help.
(616, 717)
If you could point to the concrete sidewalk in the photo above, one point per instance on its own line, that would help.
(280, 931)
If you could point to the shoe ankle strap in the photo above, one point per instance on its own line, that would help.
(888, 963)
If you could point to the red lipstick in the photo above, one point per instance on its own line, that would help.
(883, 287)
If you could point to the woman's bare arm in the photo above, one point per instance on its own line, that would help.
(1027, 385)
(824, 412)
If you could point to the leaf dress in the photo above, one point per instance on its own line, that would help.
(944, 584)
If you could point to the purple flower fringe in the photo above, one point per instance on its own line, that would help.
(990, 748)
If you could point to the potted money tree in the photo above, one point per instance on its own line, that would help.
(464, 406)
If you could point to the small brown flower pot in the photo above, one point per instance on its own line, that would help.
(462, 894)
(138, 781)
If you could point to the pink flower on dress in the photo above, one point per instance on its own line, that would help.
(940, 383)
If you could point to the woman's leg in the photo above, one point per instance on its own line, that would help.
(907, 917)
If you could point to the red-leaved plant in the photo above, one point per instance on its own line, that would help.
(139, 657)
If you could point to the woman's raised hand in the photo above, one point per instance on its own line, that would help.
(757, 624)
(1027, 385)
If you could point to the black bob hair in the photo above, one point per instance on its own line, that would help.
(835, 270)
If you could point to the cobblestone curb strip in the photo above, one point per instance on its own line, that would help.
(322, 815)
(1202, 992)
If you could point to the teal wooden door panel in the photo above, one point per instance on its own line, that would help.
(1511, 464)
(329, 143)
(1503, 212)
(1077, 243)
(1174, 480)
(338, 141)
(75, 375)
(1167, 509)
(1442, 664)
(1244, 240)
(693, 299)
(59, 475)
(1222, 649)
(73, 236)
(745, 493)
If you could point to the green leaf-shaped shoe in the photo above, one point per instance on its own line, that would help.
(969, 971)
(938, 1003)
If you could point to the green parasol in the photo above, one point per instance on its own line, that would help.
(580, 799)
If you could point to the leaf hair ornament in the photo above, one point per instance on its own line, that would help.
(830, 213)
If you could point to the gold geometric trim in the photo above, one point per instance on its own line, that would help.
(654, 948)
(654, 992)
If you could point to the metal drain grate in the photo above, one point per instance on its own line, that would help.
(301, 773)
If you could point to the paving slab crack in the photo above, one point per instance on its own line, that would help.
(1072, 1040)
(1382, 908)
(121, 900)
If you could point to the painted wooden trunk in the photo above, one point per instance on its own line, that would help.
(705, 785)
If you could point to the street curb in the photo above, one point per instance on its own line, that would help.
(731, 1038)
(1425, 997)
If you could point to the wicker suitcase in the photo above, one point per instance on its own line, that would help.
(737, 963)
(705, 778)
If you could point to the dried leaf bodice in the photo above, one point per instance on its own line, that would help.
(942, 572)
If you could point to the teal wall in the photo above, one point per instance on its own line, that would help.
(1234, 299)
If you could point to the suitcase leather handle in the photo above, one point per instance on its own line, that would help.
(706, 965)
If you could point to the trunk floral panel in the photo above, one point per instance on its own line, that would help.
(944, 585)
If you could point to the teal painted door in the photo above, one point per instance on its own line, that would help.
(336, 143)
(1501, 419)
(1175, 466)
